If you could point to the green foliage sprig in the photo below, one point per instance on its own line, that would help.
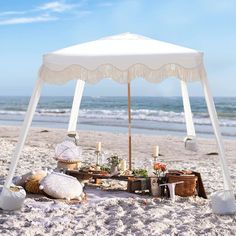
(140, 172)
(114, 160)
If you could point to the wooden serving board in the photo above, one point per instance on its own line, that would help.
(96, 175)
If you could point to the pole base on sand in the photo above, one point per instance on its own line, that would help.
(223, 202)
(12, 198)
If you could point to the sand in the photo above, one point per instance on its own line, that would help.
(117, 212)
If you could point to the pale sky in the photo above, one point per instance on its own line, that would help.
(28, 29)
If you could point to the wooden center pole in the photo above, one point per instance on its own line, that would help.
(129, 122)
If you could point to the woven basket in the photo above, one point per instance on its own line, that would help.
(185, 189)
(32, 186)
(68, 165)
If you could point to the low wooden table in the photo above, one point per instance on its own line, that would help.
(133, 183)
(87, 175)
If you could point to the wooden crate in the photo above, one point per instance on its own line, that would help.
(137, 184)
(187, 188)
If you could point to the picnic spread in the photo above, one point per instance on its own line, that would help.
(67, 181)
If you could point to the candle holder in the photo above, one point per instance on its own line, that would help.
(98, 154)
(155, 158)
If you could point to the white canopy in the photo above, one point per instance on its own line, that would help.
(122, 58)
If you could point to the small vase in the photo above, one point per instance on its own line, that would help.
(155, 189)
(114, 170)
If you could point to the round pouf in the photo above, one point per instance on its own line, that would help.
(61, 186)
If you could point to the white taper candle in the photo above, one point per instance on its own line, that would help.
(156, 151)
(99, 147)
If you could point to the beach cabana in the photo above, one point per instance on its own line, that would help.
(122, 58)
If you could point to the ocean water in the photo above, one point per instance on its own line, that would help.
(150, 115)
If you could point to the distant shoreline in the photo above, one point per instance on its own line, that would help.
(113, 130)
(150, 115)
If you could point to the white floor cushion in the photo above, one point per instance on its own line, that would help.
(59, 185)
